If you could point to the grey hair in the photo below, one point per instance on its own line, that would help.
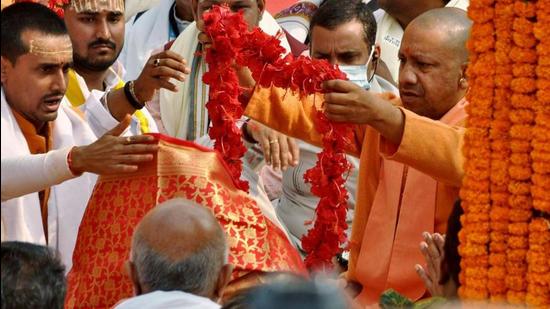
(196, 273)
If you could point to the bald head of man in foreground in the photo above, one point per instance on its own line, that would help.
(180, 246)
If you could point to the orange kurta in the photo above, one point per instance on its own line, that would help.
(416, 184)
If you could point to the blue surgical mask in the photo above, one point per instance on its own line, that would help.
(358, 73)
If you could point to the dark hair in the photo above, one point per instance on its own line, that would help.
(32, 277)
(451, 262)
(333, 13)
(297, 294)
(23, 16)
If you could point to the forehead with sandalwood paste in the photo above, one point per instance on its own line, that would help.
(97, 5)
(59, 49)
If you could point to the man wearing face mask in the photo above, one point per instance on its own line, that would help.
(343, 33)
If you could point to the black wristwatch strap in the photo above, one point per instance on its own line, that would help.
(131, 96)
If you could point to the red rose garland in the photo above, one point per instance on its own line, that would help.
(263, 55)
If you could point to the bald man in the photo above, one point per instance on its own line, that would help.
(178, 258)
(410, 166)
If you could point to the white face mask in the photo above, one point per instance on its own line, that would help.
(358, 73)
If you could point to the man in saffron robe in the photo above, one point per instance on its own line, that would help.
(409, 148)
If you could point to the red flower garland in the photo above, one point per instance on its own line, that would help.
(262, 54)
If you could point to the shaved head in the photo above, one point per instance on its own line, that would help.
(179, 245)
(433, 60)
(452, 23)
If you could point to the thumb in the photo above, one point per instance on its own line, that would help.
(121, 127)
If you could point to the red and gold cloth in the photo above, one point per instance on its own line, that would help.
(180, 169)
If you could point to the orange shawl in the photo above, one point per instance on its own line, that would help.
(180, 169)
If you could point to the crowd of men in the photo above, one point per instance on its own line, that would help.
(81, 92)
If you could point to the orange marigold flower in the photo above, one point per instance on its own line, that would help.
(521, 159)
(476, 272)
(498, 260)
(537, 277)
(540, 301)
(543, 71)
(523, 85)
(520, 172)
(518, 228)
(519, 215)
(539, 225)
(499, 227)
(518, 187)
(498, 247)
(523, 55)
(541, 167)
(480, 15)
(542, 205)
(515, 297)
(541, 180)
(517, 242)
(525, 9)
(517, 255)
(524, 70)
(522, 116)
(521, 202)
(523, 100)
(523, 25)
(516, 282)
(471, 250)
(540, 155)
(540, 193)
(543, 84)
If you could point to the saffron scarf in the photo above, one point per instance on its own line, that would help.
(180, 169)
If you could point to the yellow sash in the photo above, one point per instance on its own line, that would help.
(75, 96)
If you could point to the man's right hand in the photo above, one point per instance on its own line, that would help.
(112, 154)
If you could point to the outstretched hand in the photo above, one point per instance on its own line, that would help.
(157, 72)
(433, 252)
(112, 154)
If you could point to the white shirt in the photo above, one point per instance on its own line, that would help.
(389, 34)
(167, 300)
(24, 175)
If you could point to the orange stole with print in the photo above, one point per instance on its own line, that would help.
(180, 169)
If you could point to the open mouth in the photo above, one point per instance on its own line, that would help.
(52, 104)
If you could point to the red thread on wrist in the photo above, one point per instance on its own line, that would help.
(70, 162)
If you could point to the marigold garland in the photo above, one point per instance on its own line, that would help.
(263, 55)
(509, 111)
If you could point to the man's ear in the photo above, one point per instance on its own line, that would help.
(6, 67)
(194, 8)
(463, 81)
(377, 52)
(261, 9)
(223, 280)
(132, 272)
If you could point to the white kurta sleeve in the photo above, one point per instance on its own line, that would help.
(26, 174)
(98, 116)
